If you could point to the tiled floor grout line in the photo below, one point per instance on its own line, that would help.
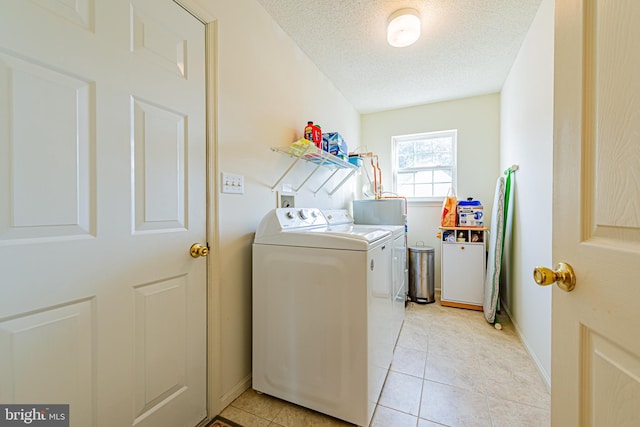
(273, 421)
(484, 388)
(424, 374)
(421, 393)
(486, 400)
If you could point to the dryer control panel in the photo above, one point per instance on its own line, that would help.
(283, 219)
(338, 216)
(300, 218)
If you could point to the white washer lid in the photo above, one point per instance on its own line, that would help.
(396, 230)
(342, 216)
(330, 238)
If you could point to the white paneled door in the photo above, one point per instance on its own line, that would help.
(596, 225)
(102, 192)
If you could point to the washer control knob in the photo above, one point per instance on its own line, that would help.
(290, 215)
(302, 214)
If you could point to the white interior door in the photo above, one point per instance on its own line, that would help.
(596, 225)
(102, 192)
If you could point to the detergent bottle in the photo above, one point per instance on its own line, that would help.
(314, 134)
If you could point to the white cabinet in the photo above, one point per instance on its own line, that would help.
(463, 264)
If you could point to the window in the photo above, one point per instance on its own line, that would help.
(424, 165)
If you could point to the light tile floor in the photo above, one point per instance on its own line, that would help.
(450, 368)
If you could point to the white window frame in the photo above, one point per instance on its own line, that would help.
(453, 134)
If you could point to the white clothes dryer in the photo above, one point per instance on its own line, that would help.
(342, 217)
(320, 305)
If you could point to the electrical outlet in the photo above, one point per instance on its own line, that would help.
(232, 184)
(287, 201)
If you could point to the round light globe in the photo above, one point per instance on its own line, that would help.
(404, 28)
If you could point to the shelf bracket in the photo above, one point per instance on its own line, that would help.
(298, 157)
(337, 187)
(310, 175)
(327, 180)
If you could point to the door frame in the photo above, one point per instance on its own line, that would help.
(214, 339)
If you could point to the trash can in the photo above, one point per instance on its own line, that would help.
(421, 284)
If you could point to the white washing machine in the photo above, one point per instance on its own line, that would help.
(399, 275)
(320, 305)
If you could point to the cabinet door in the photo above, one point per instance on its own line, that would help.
(463, 273)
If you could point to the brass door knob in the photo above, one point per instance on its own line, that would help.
(197, 250)
(563, 276)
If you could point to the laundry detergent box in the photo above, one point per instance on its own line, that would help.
(470, 213)
(335, 144)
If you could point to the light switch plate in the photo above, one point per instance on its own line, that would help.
(232, 184)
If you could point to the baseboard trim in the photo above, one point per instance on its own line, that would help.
(543, 374)
(236, 391)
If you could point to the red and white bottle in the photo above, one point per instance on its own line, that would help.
(313, 133)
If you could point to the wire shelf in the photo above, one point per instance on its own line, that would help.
(321, 158)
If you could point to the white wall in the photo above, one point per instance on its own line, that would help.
(527, 140)
(477, 122)
(267, 89)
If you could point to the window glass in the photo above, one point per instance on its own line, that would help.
(424, 166)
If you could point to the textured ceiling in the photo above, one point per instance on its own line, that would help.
(466, 48)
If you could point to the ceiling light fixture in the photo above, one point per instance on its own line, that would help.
(403, 28)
